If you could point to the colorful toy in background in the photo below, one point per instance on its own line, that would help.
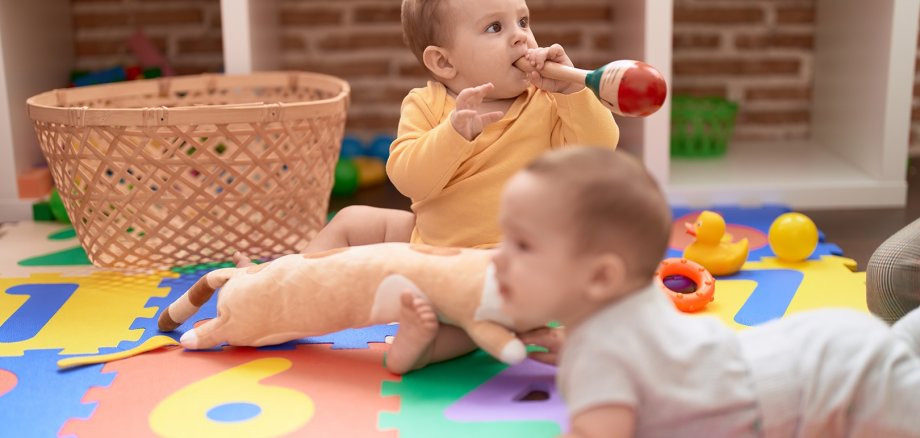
(150, 64)
(690, 286)
(35, 182)
(361, 164)
(793, 237)
(51, 209)
(80, 78)
(712, 247)
(147, 53)
(701, 127)
(57, 207)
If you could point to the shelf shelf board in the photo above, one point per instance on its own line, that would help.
(795, 173)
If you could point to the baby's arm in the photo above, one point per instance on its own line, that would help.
(603, 421)
(426, 152)
(582, 120)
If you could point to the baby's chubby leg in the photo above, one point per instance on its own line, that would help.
(362, 225)
(421, 339)
(355, 225)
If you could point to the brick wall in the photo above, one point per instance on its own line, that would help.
(361, 41)
(186, 31)
(755, 52)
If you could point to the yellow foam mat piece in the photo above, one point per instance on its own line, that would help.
(829, 282)
(151, 344)
(98, 314)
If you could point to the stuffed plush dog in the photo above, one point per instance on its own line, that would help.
(303, 295)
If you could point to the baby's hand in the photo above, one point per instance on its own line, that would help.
(466, 119)
(555, 53)
(550, 338)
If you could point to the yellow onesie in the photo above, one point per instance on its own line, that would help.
(455, 184)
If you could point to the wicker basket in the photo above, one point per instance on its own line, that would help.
(188, 169)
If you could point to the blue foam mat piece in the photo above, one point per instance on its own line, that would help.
(770, 298)
(44, 398)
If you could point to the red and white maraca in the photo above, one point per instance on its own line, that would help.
(628, 88)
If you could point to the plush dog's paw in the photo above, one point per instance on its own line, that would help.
(189, 340)
(514, 352)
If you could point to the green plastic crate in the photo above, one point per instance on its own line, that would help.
(701, 126)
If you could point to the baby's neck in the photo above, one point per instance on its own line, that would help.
(489, 105)
(588, 309)
(497, 105)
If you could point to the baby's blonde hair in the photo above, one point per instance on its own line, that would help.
(424, 24)
(615, 204)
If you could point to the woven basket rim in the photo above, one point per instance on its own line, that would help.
(51, 106)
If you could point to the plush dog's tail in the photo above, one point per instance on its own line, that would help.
(183, 308)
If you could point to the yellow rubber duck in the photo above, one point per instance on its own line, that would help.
(711, 249)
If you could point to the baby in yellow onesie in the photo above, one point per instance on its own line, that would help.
(466, 133)
(463, 136)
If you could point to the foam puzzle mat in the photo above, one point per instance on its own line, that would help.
(54, 305)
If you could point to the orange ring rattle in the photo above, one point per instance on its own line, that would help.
(690, 301)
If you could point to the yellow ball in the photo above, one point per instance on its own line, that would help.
(793, 237)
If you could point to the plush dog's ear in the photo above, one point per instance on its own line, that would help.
(192, 300)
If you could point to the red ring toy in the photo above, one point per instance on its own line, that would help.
(705, 284)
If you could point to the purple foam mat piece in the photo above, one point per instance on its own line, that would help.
(500, 398)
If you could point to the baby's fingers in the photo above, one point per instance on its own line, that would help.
(554, 52)
(464, 116)
(537, 57)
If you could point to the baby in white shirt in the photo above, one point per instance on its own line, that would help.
(584, 230)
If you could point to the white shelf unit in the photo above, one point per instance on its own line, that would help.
(36, 55)
(864, 65)
(860, 122)
(250, 35)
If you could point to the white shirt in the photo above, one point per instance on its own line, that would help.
(824, 373)
(640, 352)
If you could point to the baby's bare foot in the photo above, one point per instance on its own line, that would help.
(240, 260)
(418, 326)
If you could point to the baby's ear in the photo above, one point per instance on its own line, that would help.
(438, 63)
(607, 276)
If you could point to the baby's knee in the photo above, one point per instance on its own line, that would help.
(352, 213)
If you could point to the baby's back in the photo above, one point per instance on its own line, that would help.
(834, 372)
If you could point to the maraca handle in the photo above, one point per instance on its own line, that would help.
(555, 70)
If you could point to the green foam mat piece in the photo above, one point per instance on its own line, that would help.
(426, 393)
